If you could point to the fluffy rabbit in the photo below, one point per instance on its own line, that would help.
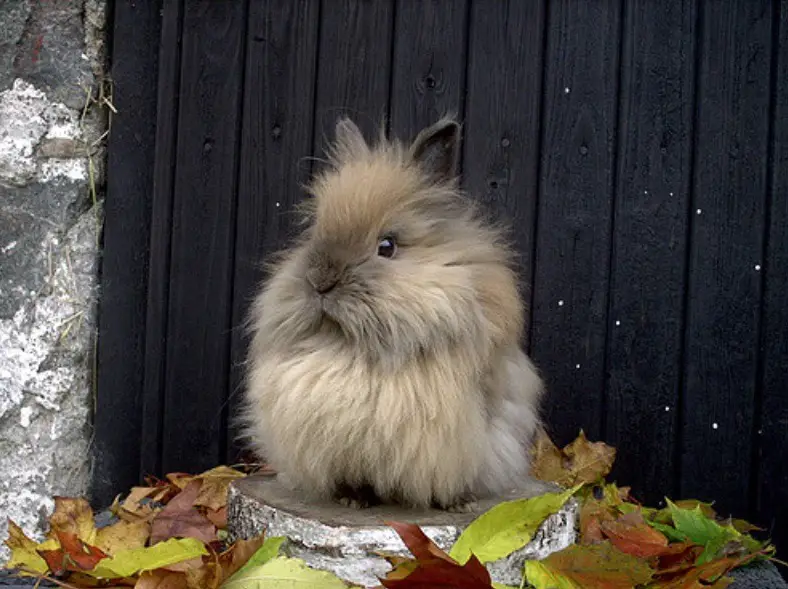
(385, 362)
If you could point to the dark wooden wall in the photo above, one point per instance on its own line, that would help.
(640, 148)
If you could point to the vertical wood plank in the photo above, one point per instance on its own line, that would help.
(649, 237)
(354, 61)
(120, 354)
(575, 209)
(203, 232)
(502, 111)
(276, 137)
(726, 246)
(772, 439)
(428, 75)
(161, 233)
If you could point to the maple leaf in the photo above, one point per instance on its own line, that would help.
(23, 551)
(581, 461)
(433, 568)
(122, 535)
(180, 519)
(140, 504)
(632, 535)
(215, 483)
(73, 555)
(596, 565)
(72, 515)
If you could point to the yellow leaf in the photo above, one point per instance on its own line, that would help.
(541, 576)
(581, 461)
(73, 515)
(215, 483)
(506, 527)
(284, 573)
(23, 551)
(130, 562)
(122, 535)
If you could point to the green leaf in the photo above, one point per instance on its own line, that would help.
(284, 573)
(669, 531)
(266, 552)
(126, 563)
(702, 530)
(507, 527)
(542, 577)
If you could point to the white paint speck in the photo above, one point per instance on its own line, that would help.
(618, 322)
(698, 211)
(9, 247)
(24, 416)
(671, 194)
(715, 425)
(577, 366)
(667, 408)
(757, 267)
(760, 431)
(560, 303)
(566, 90)
(277, 205)
(645, 192)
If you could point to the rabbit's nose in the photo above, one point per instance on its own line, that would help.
(321, 281)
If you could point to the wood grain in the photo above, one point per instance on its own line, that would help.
(729, 196)
(203, 235)
(118, 422)
(428, 66)
(574, 215)
(276, 139)
(649, 242)
(503, 107)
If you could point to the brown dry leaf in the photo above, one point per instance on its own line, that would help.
(632, 535)
(180, 519)
(180, 479)
(134, 509)
(209, 576)
(123, 535)
(581, 461)
(217, 518)
(595, 565)
(72, 515)
(161, 579)
(215, 482)
(708, 576)
(238, 554)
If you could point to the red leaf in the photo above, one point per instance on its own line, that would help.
(73, 555)
(435, 568)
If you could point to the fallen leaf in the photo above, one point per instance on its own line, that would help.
(73, 515)
(596, 565)
(581, 461)
(506, 527)
(632, 535)
(130, 562)
(123, 535)
(180, 519)
(707, 576)
(161, 580)
(284, 573)
(678, 556)
(432, 566)
(215, 483)
(243, 552)
(701, 529)
(23, 551)
(217, 517)
(73, 554)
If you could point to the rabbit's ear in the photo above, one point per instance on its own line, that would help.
(437, 149)
(348, 140)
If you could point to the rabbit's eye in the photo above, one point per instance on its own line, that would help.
(387, 247)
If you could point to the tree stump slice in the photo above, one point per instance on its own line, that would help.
(346, 541)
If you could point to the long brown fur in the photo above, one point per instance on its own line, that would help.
(407, 377)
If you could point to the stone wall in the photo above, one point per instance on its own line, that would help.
(54, 110)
